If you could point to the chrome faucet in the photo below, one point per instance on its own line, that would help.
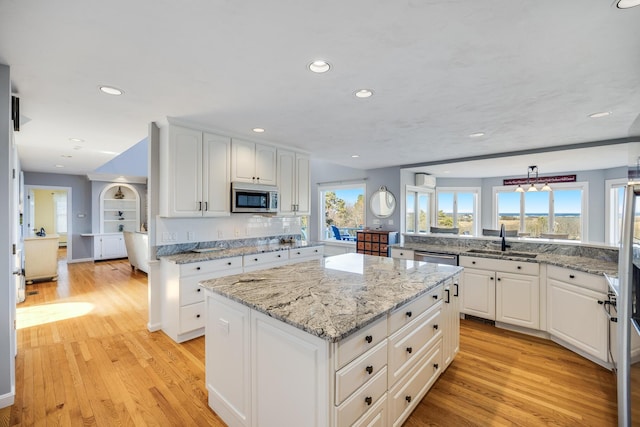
(503, 243)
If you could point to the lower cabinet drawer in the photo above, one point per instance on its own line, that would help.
(410, 311)
(191, 317)
(406, 395)
(361, 370)
(362, 400)
(190, 291)
(410, 343)
(377, 416)
(360, 342)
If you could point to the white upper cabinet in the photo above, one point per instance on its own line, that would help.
(195, 173)
(255, 163)
(294, 183)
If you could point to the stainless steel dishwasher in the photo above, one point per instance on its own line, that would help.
(435, 257)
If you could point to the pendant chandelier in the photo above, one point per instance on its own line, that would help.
(532, 181)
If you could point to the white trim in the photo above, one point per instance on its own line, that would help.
(106, 177)
(355, 184)
(74, 261)
(8, 399)
(476, 191)
(610, 226)
(431, 192)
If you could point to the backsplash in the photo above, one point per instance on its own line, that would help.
(602, 253)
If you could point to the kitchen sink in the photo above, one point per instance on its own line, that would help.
(500, 253)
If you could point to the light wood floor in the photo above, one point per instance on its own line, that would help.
(85, 357)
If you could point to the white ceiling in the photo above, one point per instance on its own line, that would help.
(526, 73)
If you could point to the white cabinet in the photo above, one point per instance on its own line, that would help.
(119, 208)
(109, 246)
(41, 258)
(294, 183)
(451, 320)
(402, 253)
(251, 162)
(195, 173)
(574, 311)
(500, 290)
(305, 254)
(182, 297)
(264, 260)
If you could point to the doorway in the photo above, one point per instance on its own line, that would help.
(49, 208)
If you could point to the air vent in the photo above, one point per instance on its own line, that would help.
(425, 180)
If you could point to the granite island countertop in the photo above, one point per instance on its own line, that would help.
(336, 296)
(209, 254)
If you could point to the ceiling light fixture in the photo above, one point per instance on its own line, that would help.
(355, 156)
(600, 114)
(476, 135)
(532, 181)
(66, 156)
(59, 166)
(626, 4)
(76, 140)
(258, 130)
(110, 90)
(319, 66)
(364, 93)
(77, 147)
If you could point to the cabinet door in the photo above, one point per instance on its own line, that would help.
(243, 161)
(575, 317)
(518, 299)
(286, 181)
(228, 367)
(451, 320)
(303, 185)
(265, 161)
(479, 293)
(185, 172)
(216, 157)
(112, 247)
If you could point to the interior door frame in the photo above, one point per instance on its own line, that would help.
(28, 214)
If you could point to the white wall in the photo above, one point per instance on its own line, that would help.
(7, 284)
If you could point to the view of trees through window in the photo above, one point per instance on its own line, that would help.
(457, 209)
(344, 208)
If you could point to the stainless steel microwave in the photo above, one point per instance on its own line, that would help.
(256, 198)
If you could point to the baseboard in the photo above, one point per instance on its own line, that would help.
(521, 329)
(8, 399)
(154, 327)
(73, 261)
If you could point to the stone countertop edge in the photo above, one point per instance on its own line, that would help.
(584, 264)
(190, 257)
(326, 315)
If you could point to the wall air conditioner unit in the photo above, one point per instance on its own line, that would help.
(425, 180)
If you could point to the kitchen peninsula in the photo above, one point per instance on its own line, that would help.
(348, 340)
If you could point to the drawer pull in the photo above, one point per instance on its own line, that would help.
(229, 263)
(519, 268)
(407, 398)
(409, 314)
(491, 278)
(409, 350)
(435, 366)
(368, 339)
(316, 251)
(199, 289)
(434, 296)
(369, 370)
(299, 252)
(457, 290)
(279, 256)
(499, 279)
(255, 259)
(571, 276)
(473, 262)
(197, 316)
(368, 400)
(197, 268)
(435, 326)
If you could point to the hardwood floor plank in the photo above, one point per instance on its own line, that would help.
(102, 366)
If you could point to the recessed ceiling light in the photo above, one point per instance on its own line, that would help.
(258, 130)
(110, 90)
(355, 156)
(626, 4)
(364, 93)
(76, 140)
(66, 156)
(319, 66)
(77, 147)
(59, 166)
(476, 135)
(600, 114)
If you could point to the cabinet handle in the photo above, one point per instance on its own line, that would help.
(600, 302)
(199, 289)
(255, 259)
(434, 296)
(491, 278)
(229, 263)
(368, 400)
(519, 268)
(448, 300)
(409, 314)
(571, 276)
(409, 350)
(407, 398)
(457, 290)
(435, 366)
(206, 206)
(198, 268)
(200, 208)
(435, 326)
(369, 370)
(298, 253)
(368, 339)
(198, 316)
(401, 253)
(473, 262)
(499, 279)
(279, 256)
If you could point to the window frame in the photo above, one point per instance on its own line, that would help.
(611, 225)
(476, 191)
(322, 188)
(584, 205)
(430, 192)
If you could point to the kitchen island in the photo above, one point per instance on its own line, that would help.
(348, 340)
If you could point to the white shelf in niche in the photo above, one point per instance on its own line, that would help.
(129, 205)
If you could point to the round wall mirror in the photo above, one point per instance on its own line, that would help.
(382, 203)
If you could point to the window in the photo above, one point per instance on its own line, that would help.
(60, 206)
(614, 209)
(458, 208)
(418, 209)
(343, 210)
(538, 214)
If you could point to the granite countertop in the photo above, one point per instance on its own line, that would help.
(219, 253)
(592, 265)
(334, 297)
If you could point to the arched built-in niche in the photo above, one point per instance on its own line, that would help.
(119, 208)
